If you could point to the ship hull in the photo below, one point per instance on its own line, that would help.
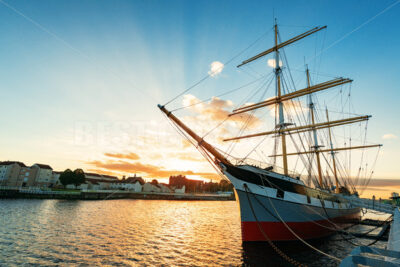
(278, 219)
(288, 215)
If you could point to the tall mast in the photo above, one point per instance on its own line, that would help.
(200, 141)
(333, 156)
(281, 124)
(316, 146)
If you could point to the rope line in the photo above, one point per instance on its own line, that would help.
(277, 250)
(220, 68)
(226, 93)
(336, 228)
(296, 235)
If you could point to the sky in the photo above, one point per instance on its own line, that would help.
(80, 80)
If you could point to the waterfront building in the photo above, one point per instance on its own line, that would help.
(134, 184)
(83, 186)
(149, 187)
(99, 181)
(135, 179)
(89, 175)
(126, 185)
(9, 173)
(191, 186)
(55, 179)
(165, 188)
(179, 190)
(27, 177)
(15, 173)
(43, 175)
(100, 177)
(109, 177)
(93, 185)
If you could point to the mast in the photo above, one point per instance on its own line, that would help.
(200, 141)
(281, 127)
(327, 150)
(300, 129)
(316, 146)
(333, 156)
(281, 124)
(295, 94)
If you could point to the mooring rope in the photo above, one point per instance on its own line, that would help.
(290, 229)
(277, 250)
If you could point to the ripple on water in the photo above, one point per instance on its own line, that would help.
(136, 232)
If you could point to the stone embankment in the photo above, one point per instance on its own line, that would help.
(106, 194)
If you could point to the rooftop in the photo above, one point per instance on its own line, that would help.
(43, 166)
(21, 164)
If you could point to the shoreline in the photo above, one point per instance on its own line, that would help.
(108, 194)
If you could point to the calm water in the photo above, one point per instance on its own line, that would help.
(139, 232)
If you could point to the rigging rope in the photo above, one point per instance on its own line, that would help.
(296, 235)
(272, 185)
(244, 126)
(277, 250)
(226, 63)
(226, 93)
(358, 27)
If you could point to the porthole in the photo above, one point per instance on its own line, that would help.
(280, 193)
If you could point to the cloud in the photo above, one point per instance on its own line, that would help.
(384, 182)
(389, 136)
(155, 156)
(272, 64)
(186, 143)
(374, 189)
(145, 169)
(381, 187)
(188, 157)
(131, 156)
(217, 110)
(216, 68)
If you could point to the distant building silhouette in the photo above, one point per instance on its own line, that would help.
(191, 186)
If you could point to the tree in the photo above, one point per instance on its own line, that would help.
(76, 177)
(79, 177)
(67, 177)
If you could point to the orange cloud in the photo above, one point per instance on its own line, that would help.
(131, 156)
(384, 182)
(146, 169)
(155, 156)
(217, 110)
(381, 188)
(186, 156)
(186, 143)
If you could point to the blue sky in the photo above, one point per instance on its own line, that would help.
(68, 62)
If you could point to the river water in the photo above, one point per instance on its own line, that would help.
(141, 232)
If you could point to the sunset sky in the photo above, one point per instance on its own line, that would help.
(80, 80)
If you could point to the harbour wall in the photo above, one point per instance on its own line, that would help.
(108, 194)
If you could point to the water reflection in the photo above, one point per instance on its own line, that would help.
(262, 254)
(138, 232)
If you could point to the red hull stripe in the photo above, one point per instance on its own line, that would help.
(277, 231)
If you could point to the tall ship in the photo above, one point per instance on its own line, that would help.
(277, 204)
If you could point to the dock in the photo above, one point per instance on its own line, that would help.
(106, 194)
(373, 256)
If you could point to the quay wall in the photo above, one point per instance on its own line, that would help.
(107, 194)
